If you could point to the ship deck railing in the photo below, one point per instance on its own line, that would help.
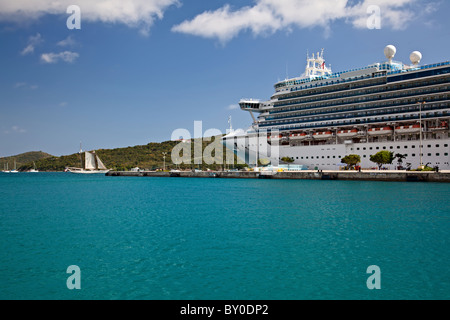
(348, 123)
(401, 95)
(400, 105)
(353, 88)
(341, 81)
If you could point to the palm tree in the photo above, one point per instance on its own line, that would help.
(400, 157)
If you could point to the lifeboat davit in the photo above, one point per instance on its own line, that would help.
(348, 133)
(408, 129)
(380, 131)
(323, 135)
(298, 136)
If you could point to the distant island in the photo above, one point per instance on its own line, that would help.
(148, 157)
(24, 159)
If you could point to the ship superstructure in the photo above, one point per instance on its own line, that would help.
(320, 117)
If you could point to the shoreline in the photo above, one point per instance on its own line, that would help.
(366, 175)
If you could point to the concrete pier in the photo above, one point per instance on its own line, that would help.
(399, 176)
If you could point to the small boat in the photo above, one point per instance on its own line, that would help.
(6, 169)
(298, 136)
(275, 138)
(92, 165)
(380, 131)
(348, 133)
(34, 169)
(15, 169)
(408, 129)
(323, 135)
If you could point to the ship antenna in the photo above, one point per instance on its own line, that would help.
(231, 125)
(287, 73)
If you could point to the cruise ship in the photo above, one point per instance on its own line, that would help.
(320, 117)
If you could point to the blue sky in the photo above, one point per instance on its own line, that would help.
(137, 70)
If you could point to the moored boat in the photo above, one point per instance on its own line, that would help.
(323, 135)
(380, 131)
(92, 165)
(298, 136)
(348, 133)
(415, 128)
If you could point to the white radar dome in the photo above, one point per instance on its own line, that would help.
(390, 52)
(415, 57)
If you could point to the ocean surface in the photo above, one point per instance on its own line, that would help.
(208, 239)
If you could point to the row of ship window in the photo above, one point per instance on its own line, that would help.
(357, 121)
(364, 156)
(364, 84)
(377, 148)
(409, 94)
(347, 94)
(365, 114)
(398, 147)
(412, 107)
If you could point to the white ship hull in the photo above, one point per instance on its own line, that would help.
(327, 157)
(386, 106)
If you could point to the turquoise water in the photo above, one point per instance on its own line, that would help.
(189, 239)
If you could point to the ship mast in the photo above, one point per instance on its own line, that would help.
(315, 66)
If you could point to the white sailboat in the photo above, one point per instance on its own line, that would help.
(34, 168)
(6, 169)
(15, 169)
(92, 165)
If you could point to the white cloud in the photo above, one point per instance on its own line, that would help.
(20, 84)
(269, 16)
(24, 84)
(66, 56)
(15, 129)
(63, 104)
(33, 41)
(67, 42)
(233, 107)
(18, 129)
(134, 13)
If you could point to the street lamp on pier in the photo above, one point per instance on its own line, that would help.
(164, 156)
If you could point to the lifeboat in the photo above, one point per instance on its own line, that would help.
(380, 131)
(275, 137)
(348, 133)
(323, 135)
(442, 127)
(415, 128)
(298, 136)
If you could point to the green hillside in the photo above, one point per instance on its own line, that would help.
(148, 156)
(23, 159)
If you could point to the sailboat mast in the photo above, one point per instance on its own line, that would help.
(95, 160)
(81, 157)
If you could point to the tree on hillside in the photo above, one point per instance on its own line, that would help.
(351, 160)
(382, 157)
